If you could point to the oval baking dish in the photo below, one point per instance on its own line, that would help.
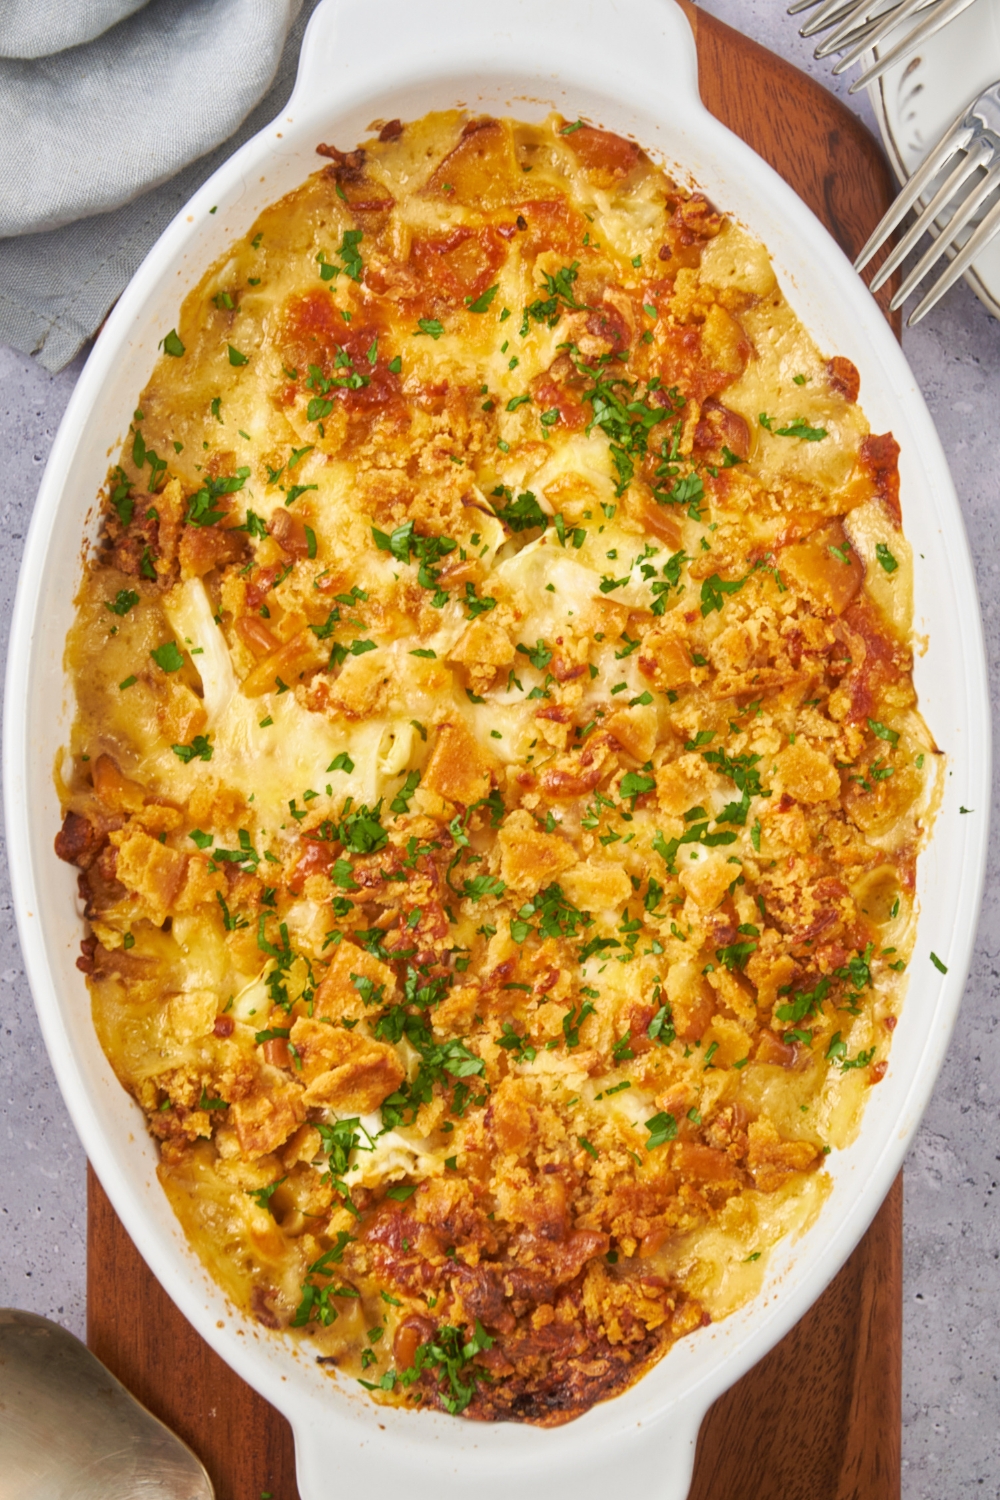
(632, 70)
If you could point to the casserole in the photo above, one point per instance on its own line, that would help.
(265, 978)
(410, 75)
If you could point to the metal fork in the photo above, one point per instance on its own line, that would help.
(975, 139)
(856, 29)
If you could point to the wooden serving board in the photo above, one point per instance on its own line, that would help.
(819, 1417)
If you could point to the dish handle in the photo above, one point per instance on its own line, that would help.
(647, 47)
(590, 1458)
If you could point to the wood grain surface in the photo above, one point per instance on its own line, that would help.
(819, 1417)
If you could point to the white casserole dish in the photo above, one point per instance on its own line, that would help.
(629, 65)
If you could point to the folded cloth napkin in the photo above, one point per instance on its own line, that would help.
(112, 112)
(30, 30)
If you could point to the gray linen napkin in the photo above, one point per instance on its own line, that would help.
(101, 143)
(28, 29)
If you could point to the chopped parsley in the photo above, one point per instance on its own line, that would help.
(512, 1042)
(549, 914)
(316, 1304)
(742, 771)
(635, 784)
(883, 732)
(521, 514)
(350, 258)
(697, 834)
(548, 310)
(404, 544)
(797, 428)
(483, 301)
(125, 600)
(539, 655)
(662, 1128)
(199, 749)
(618, 410)
(450, 1355)
(361, 831)
(400, 804)
(262, 1196)
(168, 656)
(713, 589)
(202, 508)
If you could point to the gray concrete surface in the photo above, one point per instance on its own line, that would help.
(42, 1189)
(951, 1411)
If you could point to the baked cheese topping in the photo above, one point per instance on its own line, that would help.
(496, 779)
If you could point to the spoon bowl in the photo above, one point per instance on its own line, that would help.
(70, 1431)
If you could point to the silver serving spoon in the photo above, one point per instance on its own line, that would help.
(70, 1431)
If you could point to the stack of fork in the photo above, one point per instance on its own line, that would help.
(975, 140)
(854, 27)
(857, 25)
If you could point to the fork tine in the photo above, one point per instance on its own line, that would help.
(878, 28)
(967, 209)
(859, 34)
(987, 229)
(956, 139)
(844, 21)
(800, 6)
(830, 14)
(856, 29)
(980, 157)
(828, 9)
(920, 33)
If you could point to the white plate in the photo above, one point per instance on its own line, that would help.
(630, 65)
(920, 97)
